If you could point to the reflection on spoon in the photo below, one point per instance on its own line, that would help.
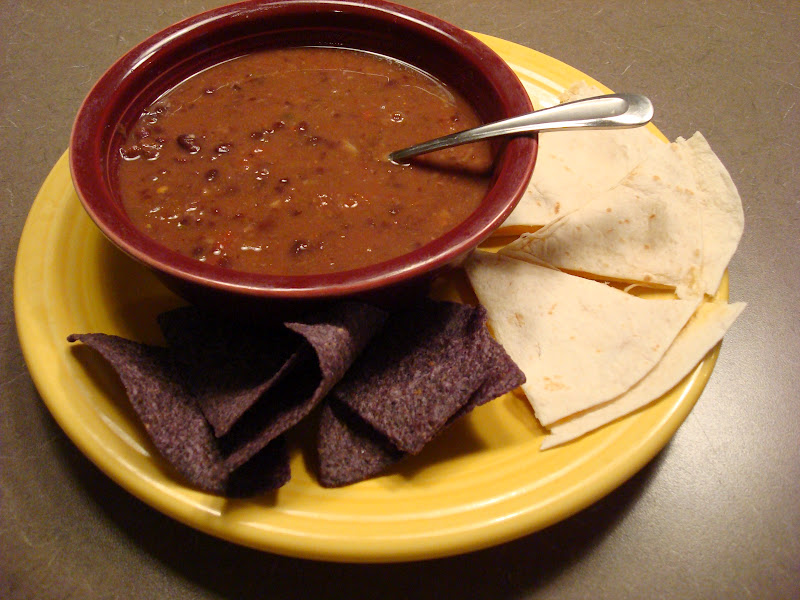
(613, 110)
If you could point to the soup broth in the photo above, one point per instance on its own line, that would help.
(276, 162)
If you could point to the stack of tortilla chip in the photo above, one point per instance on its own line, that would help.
(672, 220)
(219, 399)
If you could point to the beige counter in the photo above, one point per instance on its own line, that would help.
(714, 515)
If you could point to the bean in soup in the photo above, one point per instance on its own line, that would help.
(276, 162)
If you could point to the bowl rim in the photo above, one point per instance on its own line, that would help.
(88, 155)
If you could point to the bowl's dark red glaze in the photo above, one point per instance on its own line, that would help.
(170, 56)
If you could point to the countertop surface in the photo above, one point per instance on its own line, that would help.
(714, 515)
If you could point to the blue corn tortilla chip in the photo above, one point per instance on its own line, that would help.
(227, 366)
(348, 449)
(430, 363)
(502, 375)
(331, 340)
(268, 470)
(174, 422)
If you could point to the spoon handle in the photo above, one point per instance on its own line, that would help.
(613, 110)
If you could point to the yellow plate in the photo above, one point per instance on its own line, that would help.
(481, 483)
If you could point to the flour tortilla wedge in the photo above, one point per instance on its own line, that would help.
(572, 167)
(648, 228)
(676, 220)
(579, 342)
(720, 206)
(700, 334)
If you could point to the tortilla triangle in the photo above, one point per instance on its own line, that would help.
(579, 342)
(720, 206)
(675, 220)
(572, 167)
(700, 334)
(646, 229)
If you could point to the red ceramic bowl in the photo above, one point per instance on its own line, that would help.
(170, 56)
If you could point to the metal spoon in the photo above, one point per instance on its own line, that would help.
(613, 110)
